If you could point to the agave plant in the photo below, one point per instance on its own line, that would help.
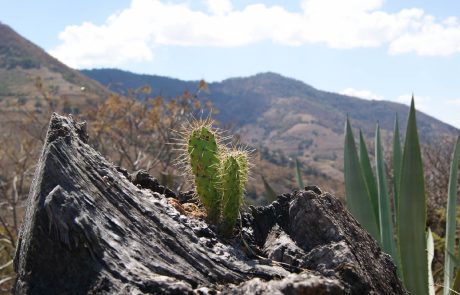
(402, 233)
(449, 255)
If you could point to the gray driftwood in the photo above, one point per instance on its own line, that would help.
(91, 228)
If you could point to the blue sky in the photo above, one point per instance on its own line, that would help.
(374, 49)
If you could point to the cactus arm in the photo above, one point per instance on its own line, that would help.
(204, 162)
(234, 173)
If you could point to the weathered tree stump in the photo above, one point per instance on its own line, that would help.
(91, 228)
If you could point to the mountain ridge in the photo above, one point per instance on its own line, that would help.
(273, 112)
(22, 63)
(277, 86)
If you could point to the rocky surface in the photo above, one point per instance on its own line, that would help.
(92, 228)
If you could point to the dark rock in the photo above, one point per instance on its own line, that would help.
(144, 180)
(91, 228)
(314, 189)
(293, 284)
(335, 242)
(280, 247)
(187, 197)
(124, 172)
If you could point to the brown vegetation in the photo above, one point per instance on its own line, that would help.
(134, 134)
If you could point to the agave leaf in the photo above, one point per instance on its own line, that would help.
(270, 193)
(396, 167)
(453, 257)
(397, 158)
(451, 225)
(385, 216)
(368, 175)
(298, 175)
(456, 287)
(358, 199)
(412, 213)
(430, 250)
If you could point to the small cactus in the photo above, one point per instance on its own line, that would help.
(205, 162)
(218, 173)
(234, 171)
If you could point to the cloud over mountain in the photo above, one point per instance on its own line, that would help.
(134, 33)
(365, 94)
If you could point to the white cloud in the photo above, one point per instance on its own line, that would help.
(454, 102)
(87, 45)
(219, 7)
(134, 33)
(432, 39)
(354, 23)
(365, 94)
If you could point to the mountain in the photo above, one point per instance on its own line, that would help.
(244, 100)
(286, 115)
(24, 66)
(282, 117)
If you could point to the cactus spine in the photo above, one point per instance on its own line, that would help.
(205, 163)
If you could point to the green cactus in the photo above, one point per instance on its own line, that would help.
(219, 174)
(234, 173)
(204, 161)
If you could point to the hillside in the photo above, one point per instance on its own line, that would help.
(286, 114)
(22, 63)
(34, 84)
